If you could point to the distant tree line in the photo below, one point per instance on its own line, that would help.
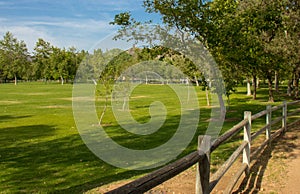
(46, 63)
(250, 40)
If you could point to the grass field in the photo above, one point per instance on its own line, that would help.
(41, 150)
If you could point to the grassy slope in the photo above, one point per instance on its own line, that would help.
(41, 151)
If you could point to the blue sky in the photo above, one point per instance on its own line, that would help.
(65, 23)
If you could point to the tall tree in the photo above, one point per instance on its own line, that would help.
(42, 52)
(237, 33)
(287, 46)
(15, 57)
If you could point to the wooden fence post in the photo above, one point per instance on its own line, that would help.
(247, 138)
(203, 166)
(268, 122)
(284, 115)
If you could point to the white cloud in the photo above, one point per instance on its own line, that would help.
(86, 24)
(28, 34)
(61, 32)
(63, 23)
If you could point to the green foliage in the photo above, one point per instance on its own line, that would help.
(122, 19)
(246, 37)
(48, 62)
(42, 52)
(14, 58)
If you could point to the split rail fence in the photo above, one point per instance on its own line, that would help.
(204, 182)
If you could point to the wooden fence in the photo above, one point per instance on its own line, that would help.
(204, 183)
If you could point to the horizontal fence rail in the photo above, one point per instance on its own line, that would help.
(161, 175)
(204, 183)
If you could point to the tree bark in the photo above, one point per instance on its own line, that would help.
(146, 79)
(276, 82)
(297, 89)
(125, 100)
(104, 110)
(62, 80)
(207, 97)
(196, 80)
(254, 82)
(222, 107)
(16, 80)
(248, 87)
(289, 88)
(270, 84)
(296, 84)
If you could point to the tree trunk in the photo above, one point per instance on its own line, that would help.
(16, 80)
(248, 87)
(276, 82)
(296, 84)
(62, 80)
(125, 100)
(146, 79)
(228, 102)
(104, 110)
(289, 88)
(207, 97)
(222, 107)
(297, 89)
(270, 84)
(196, 80)
(257, 83)
(187, 81)
(254, 82)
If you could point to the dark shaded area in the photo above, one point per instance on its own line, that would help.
(24, 133)
(5, 118)
(51, 164)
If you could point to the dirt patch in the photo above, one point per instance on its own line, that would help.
(106, 188)
(283, 173)
(277, 170)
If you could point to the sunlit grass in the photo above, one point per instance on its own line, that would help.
(41, 150)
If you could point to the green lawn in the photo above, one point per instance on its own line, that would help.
(41, 150)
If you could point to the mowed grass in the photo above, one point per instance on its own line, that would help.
(41, 150)
(140, 102)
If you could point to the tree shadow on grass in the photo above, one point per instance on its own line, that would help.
(33, 160)
(37, 158)
(24, 133)
(5, 118)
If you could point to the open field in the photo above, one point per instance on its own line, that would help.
(41, 150)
